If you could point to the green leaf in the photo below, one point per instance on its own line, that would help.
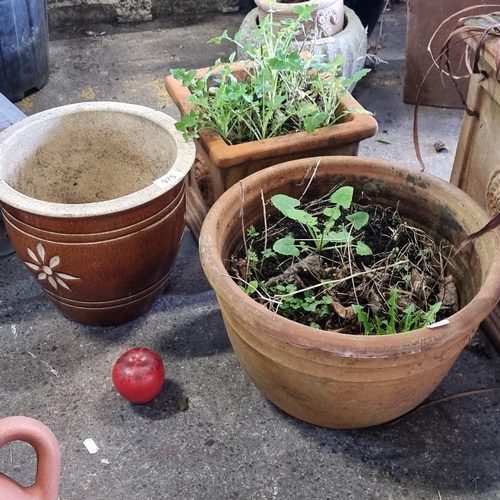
(252, 232)
(411, 318)
(286, 246)
(304, 11)
(358, 219)
(307, 109)
(287, 206)
(252, 287)
(218, 39)
(392, 311)
(383, 327)
(430, 316)
(268, 253)
(301, 216)
(311, 306)
(185, 77)
(186, 124)
(287, 62)
(342, 196)
(332, 212)
(284, 202)
(363, 248)
(311, 123)
(358, 75)
(357, 309)
(367, 326)
(341, 236)
(252, 256)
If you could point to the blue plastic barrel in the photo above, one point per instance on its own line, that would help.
(24, 47)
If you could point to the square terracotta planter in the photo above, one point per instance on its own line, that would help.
(218, 166)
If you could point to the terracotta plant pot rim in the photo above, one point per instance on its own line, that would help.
(11, 139)
(347, 345)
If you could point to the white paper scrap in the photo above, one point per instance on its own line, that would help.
(443, 322)
(92, 448)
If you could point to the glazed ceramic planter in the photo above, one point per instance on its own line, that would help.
(327, 19)
(93, 198)
(219, 166)
(340, 380)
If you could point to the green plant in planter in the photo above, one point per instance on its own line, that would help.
(325, 238)
(313, 263)
(394, 320)
(279, 90)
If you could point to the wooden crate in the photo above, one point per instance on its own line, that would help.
(476, 169)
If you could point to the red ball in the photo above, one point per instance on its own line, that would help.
(138, 375)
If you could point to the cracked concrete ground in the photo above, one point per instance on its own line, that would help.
(231, 442)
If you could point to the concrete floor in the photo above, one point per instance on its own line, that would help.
(231, 442)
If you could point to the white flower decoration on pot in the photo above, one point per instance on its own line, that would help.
(46, 271)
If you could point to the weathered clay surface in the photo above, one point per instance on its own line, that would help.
(333, 379)
(48, 461)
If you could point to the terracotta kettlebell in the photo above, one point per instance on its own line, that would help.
(38, 435)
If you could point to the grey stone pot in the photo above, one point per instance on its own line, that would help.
(351, 42)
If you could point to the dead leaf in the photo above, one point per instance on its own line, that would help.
(376, 303)
(450, 295)
(440, 147)
(343, 312)
(239, 268)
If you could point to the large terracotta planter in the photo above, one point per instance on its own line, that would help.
(219, 166)
(327, 19)
(93, 199)
(339, 380)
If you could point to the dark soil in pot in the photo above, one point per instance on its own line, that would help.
(355, 268)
